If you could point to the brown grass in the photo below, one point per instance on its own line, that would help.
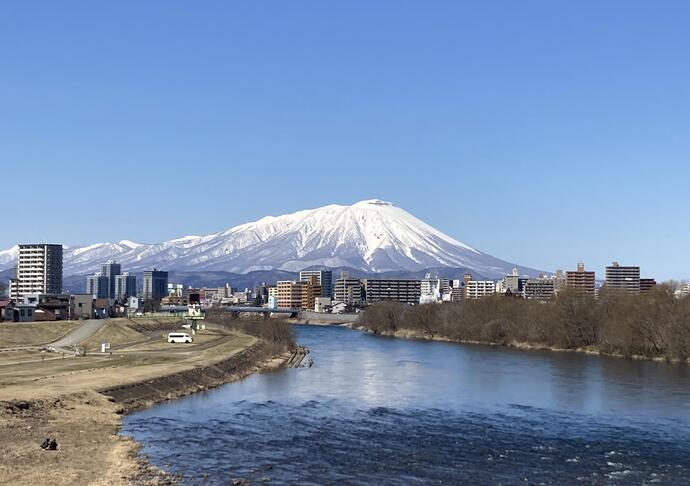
(33, 333)
(44, 395)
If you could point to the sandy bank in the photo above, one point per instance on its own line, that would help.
(80, 402)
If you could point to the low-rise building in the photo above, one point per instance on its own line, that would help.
(4, 303)
(323, 304)
(20, 312)
(272, 301)
(133, 305)
(81, 306)
(647, 284)
(682, 291)
(54, 306)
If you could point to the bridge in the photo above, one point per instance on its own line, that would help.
(183, 311)
(266, 311)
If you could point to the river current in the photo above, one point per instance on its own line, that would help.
(374, 410)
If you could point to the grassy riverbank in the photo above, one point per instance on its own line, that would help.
(652, 326)
(80, 401)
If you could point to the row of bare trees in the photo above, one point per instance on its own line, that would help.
(654, 324)
(277, 333)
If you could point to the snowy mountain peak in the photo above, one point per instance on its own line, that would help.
(370, 235)
(129, 244)
(371, 202)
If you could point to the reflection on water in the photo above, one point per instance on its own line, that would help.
(388, 411)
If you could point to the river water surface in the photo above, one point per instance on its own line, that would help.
(376, 410)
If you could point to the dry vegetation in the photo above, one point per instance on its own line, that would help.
(45, 395)
(653, 325)
(34, 334)
(277, 333)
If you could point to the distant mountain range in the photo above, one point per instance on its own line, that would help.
(370, 237)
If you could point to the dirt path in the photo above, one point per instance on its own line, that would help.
(82, 333)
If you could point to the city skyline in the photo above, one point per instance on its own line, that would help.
(542, 141)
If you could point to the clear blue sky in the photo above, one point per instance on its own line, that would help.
(542, 132)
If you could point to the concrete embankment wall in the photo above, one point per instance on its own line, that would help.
(172, 386)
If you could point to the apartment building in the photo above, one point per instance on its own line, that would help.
(647, 284)
(348, 290)
(39, 271)
(624, 279)
(540, 288)
(581, 280)
(298, 295)
(399, 290)
(476, 289)
(510, 283)
(324, 278)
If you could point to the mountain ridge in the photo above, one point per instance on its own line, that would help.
(371, 236)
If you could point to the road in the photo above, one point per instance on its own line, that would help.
(82, 333)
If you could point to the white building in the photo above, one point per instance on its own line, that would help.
(433, 289)
(476, 289)
(509, 283)
(39, 271)
(682, 291)
(322, 304)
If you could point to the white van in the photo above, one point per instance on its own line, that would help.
(179, 337)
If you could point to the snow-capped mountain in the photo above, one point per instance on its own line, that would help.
(9, 257)
(371, 236)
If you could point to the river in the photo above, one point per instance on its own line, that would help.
(375, 410)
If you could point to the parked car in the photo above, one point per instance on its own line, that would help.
(179, 337)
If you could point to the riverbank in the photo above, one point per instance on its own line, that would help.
(593, 350)
(654, 325)
(80, 402)
(324, 319)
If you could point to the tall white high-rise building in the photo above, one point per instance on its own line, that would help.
(39, 271)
